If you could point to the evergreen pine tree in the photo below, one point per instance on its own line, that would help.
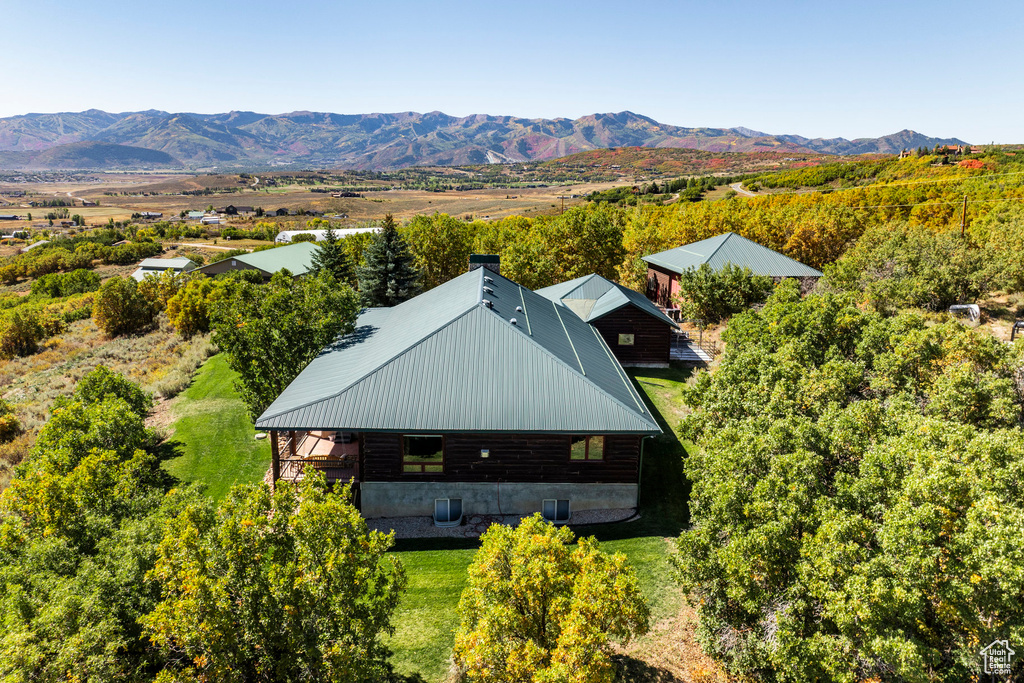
(389, 276)
(332, 257)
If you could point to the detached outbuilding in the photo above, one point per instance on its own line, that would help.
(637, 331)
(296, 258)
(157, 266)
(664, 268)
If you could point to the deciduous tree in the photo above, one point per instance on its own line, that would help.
(272, 331)
(538, 609)
(288, 585)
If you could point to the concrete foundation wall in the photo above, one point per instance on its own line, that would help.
(416, 499)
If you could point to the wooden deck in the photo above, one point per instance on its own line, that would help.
(326, 452)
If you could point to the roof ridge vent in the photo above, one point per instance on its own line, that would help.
(487, 303)
(512, 320)
(488, 290)
(488, 279)
(519, 309)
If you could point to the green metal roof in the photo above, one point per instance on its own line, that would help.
(730, 248)
(451, 360)
(592, 297)
(297, 258)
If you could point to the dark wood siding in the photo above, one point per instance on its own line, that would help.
(659, 286)
(652, 338)
(513, 458)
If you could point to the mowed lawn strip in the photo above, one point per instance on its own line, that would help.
(427, 615)
(214, 435)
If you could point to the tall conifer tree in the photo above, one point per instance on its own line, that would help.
(389, 276)
(332, 257)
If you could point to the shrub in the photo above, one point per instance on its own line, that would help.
(65, 284)
(711, 296)
(20, 333)
(120, 308)
(10, 427)
(102, 383)
(189, 309)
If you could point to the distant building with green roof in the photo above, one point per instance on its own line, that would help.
(296, 258)
(664, 268)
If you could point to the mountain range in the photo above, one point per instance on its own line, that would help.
(158, 139)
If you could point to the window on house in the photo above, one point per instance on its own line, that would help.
(422, 453)
(556, 511)
(625, 340)
(586, 448)
(447, 511)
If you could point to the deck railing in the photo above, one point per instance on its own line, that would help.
(295, 459)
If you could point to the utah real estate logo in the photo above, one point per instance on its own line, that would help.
(998, 657)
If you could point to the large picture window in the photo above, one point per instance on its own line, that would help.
(422, 453)
(586, 448)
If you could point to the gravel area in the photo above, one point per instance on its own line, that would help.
(474, 525)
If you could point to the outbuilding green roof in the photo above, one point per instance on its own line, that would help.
(592, 297)
(297, 258)
(730, 248)
(479, 353)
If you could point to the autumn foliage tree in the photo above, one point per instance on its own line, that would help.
(121, 308)
(853, 495)
(271, 332)
(282, 585)
(538, 608)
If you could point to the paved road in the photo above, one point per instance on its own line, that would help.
(741, 191)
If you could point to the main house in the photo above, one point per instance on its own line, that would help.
(637, 331)
(664, 268)
(478, 396)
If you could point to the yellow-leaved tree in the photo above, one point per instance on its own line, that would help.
(538, 608)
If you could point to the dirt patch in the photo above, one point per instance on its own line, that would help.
(669, 653)
(162, 416)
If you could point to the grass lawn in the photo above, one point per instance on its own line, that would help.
(427, 614)
(213, 435)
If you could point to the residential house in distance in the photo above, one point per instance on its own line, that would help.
(232, 210)
(296, 258)
(157, 266)
(664, 268)
(195, 215)
(150, 215)
(476, 397)
(88, 202)
(637, 331)
(9, 217)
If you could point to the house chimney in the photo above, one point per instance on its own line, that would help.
(491, 262)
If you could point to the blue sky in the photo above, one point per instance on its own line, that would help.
(862, 69)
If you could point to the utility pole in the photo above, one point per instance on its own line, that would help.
(963, 218)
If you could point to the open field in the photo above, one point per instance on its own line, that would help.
(163, 194)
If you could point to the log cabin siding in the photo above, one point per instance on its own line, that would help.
(652, 338)
(513, 458)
